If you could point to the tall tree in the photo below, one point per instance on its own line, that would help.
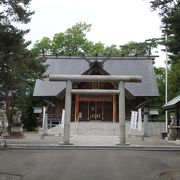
(169, 11)
(19, 67)
(140, 48)
(160, 77)
(15, 11)
(74, 41)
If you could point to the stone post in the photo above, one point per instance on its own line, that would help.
(122, 113)
(45, 121)
(67, 112)
(145, 133)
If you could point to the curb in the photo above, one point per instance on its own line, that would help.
(76, 147)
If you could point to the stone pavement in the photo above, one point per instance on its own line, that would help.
(99, 134)
(32, 139)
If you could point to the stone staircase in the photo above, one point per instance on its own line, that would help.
(96, 128)
(106, 128)
(92, 128)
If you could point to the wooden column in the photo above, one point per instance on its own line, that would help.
(88, 110)
(102, 110)
(77, 108)
(114, 108)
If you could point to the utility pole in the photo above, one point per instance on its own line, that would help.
(166, 82)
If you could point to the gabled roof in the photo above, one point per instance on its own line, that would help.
(172, 103)
(141, 66)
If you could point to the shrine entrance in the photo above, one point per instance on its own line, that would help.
(96, 110)
(94, 78)
(95, 107)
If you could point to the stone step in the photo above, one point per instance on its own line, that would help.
(89, 128)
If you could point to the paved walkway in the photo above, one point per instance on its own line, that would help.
(99, 134)
(87, 140)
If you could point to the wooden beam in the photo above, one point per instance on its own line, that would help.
(114, 108)
(95, 99)
(94, 91)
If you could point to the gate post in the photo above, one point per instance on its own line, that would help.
(67, 112)
(45, 121)
(122, 137)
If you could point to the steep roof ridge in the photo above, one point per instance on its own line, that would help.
(152, 57)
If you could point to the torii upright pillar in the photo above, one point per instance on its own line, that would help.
(67, 112)
(122, 113)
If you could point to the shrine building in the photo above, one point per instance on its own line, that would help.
(88, 107)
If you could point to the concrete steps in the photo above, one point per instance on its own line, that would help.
(89, 128)
(95, 128)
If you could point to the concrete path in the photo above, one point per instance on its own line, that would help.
(34, 139)
(90, 135)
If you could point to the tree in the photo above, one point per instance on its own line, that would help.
(160, 78)
(170, 18)
(75, 38)
(174, 81)
(19, 67)
(74, 41)
(44, 47)
(15, 11)
(113, 50)
(141, 48)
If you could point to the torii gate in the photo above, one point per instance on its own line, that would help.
(95, 78)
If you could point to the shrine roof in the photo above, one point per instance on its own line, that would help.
(172, 103)
(131, 65)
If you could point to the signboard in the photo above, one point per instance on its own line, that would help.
(62, 118)
(37, 110)
(139, 120)
(133, 124)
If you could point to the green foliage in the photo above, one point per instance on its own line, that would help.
(25, 103)
(73, 41)
(43, 46)
(19, 67)
(16, 11)
(113, 50)
(75, 38)
(58, 44)
(141, 48)
(170, 17)
(160, 77)
(174, 81)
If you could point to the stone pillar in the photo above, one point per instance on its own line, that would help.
(67, 112)
(114, 108)
(45, 121)
(122, 113)
(77, 108)
(145, 133)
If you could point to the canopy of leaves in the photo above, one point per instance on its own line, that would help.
(170, 17)
(15, 10)
(74, 41)
(19, 67)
